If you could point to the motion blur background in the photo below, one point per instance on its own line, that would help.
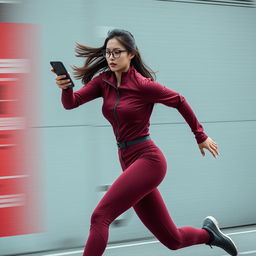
(205, 50)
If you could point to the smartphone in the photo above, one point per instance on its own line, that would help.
(60, 69)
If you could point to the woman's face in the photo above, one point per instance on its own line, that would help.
(120, 62)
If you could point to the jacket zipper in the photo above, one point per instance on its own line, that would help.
(115, 114)
(115, 106)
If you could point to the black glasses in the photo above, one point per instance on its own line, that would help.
(116, 53)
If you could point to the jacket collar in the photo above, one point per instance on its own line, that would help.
(110, 77)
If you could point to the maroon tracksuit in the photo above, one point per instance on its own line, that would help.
(128, 108)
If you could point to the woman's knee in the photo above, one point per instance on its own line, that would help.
(99, 218)
(96, 217)
(175, 245)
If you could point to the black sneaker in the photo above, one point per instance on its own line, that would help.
(217, 237)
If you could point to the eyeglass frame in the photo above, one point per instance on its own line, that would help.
(104, 52)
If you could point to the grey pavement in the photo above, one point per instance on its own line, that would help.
(244, 237)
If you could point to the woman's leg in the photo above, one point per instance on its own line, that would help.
(154, 214)
(139, 179)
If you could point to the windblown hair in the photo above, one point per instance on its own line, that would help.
(96, 62)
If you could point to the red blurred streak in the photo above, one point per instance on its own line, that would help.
(20, 195)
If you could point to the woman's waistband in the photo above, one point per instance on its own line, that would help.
(133, 142)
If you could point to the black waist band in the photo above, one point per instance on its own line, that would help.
(132, 142)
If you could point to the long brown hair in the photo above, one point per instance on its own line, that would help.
(96, 62)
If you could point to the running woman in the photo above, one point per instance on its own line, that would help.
(117, 73)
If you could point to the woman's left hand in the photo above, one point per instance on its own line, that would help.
(210, 145)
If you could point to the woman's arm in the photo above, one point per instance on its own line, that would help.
(156, 93)
(90, 91)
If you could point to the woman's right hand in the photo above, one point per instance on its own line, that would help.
(62, 83)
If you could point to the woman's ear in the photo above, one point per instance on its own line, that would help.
(131, 56)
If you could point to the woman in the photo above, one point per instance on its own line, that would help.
(129, 93)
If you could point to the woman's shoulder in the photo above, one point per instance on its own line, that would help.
(104, 74)
(97, 78)
(140, 78)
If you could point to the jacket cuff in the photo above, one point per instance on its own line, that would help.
(201, 137)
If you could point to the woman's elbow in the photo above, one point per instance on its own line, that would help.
(68, 107)
(180, 101)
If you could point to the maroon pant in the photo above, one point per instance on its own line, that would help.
(144, 167)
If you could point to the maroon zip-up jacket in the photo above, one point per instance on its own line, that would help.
(128, 107)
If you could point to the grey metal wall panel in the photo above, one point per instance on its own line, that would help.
(207, 53)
